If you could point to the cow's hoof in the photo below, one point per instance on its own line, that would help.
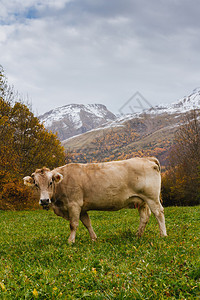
(71, 242)
(93, 237)
(163, 235)
(138, 234)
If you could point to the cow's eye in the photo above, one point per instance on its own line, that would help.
(50, 183)
(36, 185)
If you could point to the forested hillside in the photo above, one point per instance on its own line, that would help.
(143, 136)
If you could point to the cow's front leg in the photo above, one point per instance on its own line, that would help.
(74, 215)
(87, 223)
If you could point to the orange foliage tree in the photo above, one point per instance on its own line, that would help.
(24, 146)
(181, 182)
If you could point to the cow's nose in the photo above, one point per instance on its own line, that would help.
(45, 203)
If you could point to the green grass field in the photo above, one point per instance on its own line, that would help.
(36, 261)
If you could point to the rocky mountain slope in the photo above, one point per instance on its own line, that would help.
(73, 119)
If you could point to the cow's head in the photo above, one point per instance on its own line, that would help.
(44, 180)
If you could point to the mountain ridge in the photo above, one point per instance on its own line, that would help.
(183, 105)
(72, 119)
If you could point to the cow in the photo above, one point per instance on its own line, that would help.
(74, 189)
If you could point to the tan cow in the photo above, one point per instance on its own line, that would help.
(74, 189)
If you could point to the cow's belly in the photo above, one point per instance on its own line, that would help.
(113, 204)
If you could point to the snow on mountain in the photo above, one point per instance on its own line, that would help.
(75, 119)
(183, 105)
(73, 112)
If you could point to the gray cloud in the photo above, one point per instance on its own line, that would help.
(87, 51)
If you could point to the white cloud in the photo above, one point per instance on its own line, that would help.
(85, 51)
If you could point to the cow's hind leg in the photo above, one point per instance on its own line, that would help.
(87, 223)
(158, 211)
(145, 213)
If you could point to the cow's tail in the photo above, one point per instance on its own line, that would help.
(154, 159)
(158, 168)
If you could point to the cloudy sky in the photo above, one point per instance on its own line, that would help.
(100, 51)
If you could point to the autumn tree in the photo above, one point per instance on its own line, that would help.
(24, 146)
(181, 183)
(35, 146)
(6, 132)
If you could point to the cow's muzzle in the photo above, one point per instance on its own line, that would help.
(45, 203)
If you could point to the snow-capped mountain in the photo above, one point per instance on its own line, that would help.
(183, 105)
(179, 107)
(73, 119)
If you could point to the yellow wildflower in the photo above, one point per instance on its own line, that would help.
(35, 293)
(2, 286)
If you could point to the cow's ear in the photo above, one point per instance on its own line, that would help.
(57, 177)
(28, 180)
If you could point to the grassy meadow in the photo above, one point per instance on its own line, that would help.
(36, 261)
